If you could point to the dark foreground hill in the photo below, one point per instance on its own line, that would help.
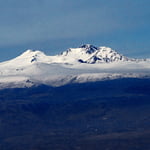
(107, 115)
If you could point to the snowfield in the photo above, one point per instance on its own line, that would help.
(76, 65)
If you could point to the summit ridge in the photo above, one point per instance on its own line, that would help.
(86, 63)
(91, 54)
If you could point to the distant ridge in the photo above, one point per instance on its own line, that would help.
(87, 63)
(91, 54)
(86, 53)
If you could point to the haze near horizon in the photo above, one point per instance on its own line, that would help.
(54, 26)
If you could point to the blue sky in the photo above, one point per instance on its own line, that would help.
(55, 25)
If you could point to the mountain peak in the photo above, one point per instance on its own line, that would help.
(88, 46)
(30, 52)
(88, 53)
(28, 57)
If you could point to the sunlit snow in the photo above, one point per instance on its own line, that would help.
(76, 65)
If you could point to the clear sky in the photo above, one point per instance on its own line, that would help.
(55, 25)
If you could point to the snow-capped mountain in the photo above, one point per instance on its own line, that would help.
(76, 65)
(29, 57)
(85, 54)
(91, 54)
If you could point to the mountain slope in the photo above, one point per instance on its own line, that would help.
(105, 115)
(91, 54)
(85, 64)
(84, 54)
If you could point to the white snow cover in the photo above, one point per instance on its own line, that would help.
(76, 65)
